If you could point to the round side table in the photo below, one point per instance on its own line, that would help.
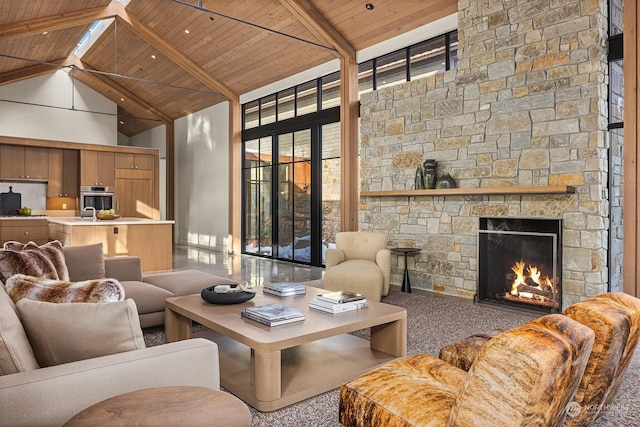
(406, 284)
(173, 405)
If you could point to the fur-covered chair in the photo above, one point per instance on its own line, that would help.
(615, 319)
(359, 263)
(523, 377)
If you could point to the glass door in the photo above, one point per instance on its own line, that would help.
(293, 166)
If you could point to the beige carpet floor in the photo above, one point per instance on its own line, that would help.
(433, 323)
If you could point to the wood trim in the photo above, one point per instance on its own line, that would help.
(488, 191)
(25, 73)
(80, 67)
(315, 22)
(349, 145)
(52, 23)
(631, 257)
(170, 171)
(174, 54)
(235, 177)
(14, 140)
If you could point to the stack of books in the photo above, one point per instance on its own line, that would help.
(284, 289)
(338, 302)
(272, 314)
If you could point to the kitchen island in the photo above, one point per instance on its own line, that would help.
(149, 239)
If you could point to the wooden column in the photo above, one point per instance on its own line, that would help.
(170, 171)
(631, 118)
(235, 177)
(349, 145)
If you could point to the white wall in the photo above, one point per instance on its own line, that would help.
(202, 178)
(42, 108)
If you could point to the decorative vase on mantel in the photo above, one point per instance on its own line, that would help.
(418, 181)
(446, 181)
(429, 169)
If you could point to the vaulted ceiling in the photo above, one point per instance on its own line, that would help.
(157, 72)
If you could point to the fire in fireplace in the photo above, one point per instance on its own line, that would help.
(519, 263)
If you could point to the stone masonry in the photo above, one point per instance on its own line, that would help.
(527, 106)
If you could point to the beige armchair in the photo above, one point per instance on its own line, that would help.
(359, 263)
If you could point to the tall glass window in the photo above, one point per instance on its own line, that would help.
(257, 194)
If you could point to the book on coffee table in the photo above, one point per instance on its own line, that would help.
(284, 289)
(273, 314)
(271, 322)
(340, 297)
(328, 307)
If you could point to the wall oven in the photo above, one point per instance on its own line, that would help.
(98, 197)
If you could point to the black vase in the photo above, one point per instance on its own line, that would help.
(430, 177)
(446, 181)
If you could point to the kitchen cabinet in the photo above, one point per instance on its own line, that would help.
(134, 194)
(134, 161)
(97, 168)
(23, 162)
(149, 240)
(63, 173)
(24, 230)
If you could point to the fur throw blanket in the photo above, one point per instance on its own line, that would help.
(46, 261)
(100, 290)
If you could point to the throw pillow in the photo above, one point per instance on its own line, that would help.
(63, 333)
(32, 263)
(21, 286)
(85, 262)
(16, 354)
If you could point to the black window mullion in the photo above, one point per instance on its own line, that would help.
(374, 73)
(275, 201)
(408, 64)
(316, 195)
(447, 51)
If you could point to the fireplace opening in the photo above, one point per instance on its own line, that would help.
(519, 263)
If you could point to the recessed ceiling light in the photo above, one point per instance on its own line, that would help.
(186, 31)
(153, 56)
(44, 33)
(122, 99)
(369, 6)
(121, 122)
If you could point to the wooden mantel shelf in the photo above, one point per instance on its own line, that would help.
(488, 191)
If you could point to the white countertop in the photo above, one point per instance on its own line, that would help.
(75, 220)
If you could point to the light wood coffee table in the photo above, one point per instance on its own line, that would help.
(270, 368)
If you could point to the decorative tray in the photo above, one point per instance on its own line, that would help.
(107, 216)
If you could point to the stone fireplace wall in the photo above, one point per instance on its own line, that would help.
(527, 106)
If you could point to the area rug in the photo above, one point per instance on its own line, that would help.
(433, 322)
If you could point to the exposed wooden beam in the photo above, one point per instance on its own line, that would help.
(349, 145)
(319, 26)
(174, 54)
(31, 71)
(56, 22)
(81, 69)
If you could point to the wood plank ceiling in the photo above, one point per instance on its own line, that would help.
(157, 72)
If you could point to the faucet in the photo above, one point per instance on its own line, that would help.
(93, 217)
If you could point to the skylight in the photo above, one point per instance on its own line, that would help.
(94, 32)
